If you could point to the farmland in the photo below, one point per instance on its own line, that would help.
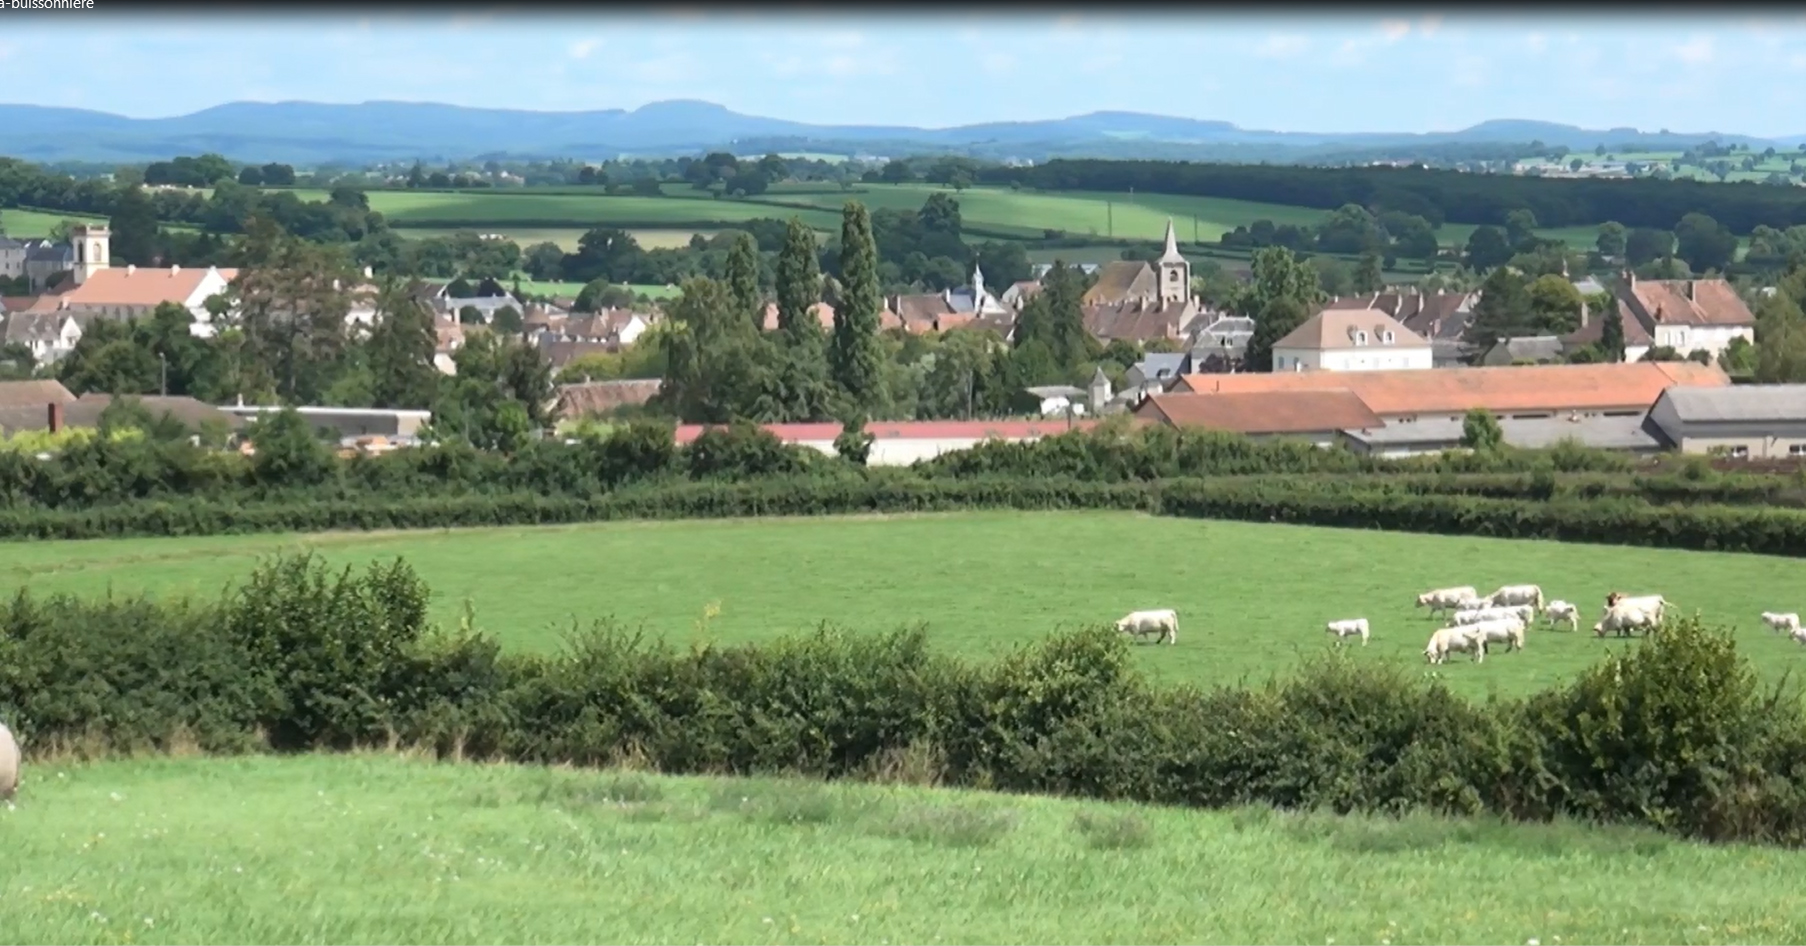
(376, 848)
(33, 224)
(1252, 597)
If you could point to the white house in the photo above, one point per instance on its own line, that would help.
(1352, 340)
(1687, 315)
(132, 293)
(49, 336)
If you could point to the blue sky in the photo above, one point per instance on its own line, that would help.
(1369, 71)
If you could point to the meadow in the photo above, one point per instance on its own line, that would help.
(36, 224)
(1252, 598)
(382, 848)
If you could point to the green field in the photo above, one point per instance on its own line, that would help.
(33, 224)
(567, 237)
(1782, 163)
(542, 288)
(1252, 598)
(384, 849)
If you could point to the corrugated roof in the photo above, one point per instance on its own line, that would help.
(1269, 413)
(1530, 433)
(1739, 403)
(915, 430)
(1505, 388)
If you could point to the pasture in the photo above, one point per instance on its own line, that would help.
(1252, 598)
(378, 848)
(566, 237)
(36, 224)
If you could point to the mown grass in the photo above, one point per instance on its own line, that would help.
(374, 848)
(1252, 598)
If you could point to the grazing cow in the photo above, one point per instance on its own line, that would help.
(1445, 599)
(1799, 635)
(1452, 639)
(1510, 595)
(1521, 612)
(1625, 618)
(1789, 622)
(9, 763)
(1506, 630)
(1164, 622)
(1559, 612)
(1353, 627)
(1655, 604)
(1474, 604)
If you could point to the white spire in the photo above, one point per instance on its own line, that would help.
(978, 282)
(1172, 245)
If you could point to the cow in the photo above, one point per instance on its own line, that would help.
(1504, 630)
(1445, 599)
(1451, 639)
(1353, 627)
(1510, 595)
(1164, 622)
(1788, 622)
(9, 764)
(1563, 612)
(1625, 618)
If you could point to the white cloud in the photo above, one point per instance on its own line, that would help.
(1395, 30)
(1696, 52)
(583, 47)
(998, 63)
(1282, 46)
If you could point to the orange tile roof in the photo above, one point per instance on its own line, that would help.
(824, 313)
(140, 287)
(1507, 388)
(1275, 412)
(1690, 302)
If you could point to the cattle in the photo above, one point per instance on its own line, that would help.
(1164, 622)
(1445, 599)
(1559, 612)
(1522, 612)
(1451, 639)
(1788, 622)
(1473, 604)
(1353, 627)
(9, 764)
(1799, 635)
(1647, 602)
(1510, 595)
(1625, 618)
(1506, 630)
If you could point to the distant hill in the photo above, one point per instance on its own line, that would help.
(310, 133)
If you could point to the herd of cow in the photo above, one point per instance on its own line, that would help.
(1475, 622)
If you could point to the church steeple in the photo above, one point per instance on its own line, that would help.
(1173, 269)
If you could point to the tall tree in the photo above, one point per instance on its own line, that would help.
(1611, 333)
(1704, 243)
(742, 277)
(1555, 305)
(854, 359)
(1611, 239)
(799, 287)
(134, 228)
(292, 308)
(401, 349)
(1503, 310)
(1781, 333)
(1283, 291)
(1276, 320)
(1487, 248)
(1368, 277)
(1055, 319)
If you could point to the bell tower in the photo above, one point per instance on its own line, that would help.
(91, 243)
(1173, 269)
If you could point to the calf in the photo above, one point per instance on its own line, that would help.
(1563, 612)
(1353, 627)
(1787, 623)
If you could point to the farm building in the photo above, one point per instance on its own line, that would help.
(900, 443)
(1319, 417)
(1632, 433)
(1746, 421)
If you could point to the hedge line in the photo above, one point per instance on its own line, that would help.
(1675, 734)
(1344, 502)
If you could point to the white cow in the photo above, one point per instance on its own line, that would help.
(1789, 622)
(1506, 630)
(1799, 635)
(9, 763)
(1452, 639)
(1521, 612)
(1474, 604)
(1655, 603)
(1625, 618)
(1164, 622)
(1353, 627)
(1509, 595)
(1446, 599)
(1559, 612)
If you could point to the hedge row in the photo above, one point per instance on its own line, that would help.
(1675, 735)
(1345, 502)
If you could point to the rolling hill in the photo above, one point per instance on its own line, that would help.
(309, 133)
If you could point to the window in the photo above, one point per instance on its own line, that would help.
(1796, 449)
(1387, 337)
(1360, 338)
(1740, 453)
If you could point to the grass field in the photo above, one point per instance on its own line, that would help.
(32, 224)
(380, 849)
(567, 237)
(538, 287)
(1252, 598)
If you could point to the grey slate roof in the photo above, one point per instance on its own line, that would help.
(1634, 432)
(1530, 348)
(1738, 403)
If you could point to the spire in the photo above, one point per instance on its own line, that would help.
(1172, 245)
(978, 283)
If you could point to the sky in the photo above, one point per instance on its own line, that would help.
(1413, 71)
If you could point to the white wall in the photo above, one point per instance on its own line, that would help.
(1368, 358)
(1689, 338)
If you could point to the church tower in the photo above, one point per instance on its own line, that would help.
(1173, 269)
(90, 242)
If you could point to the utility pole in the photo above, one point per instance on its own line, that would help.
(1110, 218)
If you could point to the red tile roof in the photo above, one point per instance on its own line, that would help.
(1275, 412)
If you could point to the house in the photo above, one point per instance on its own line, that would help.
(349, 424)
(485, 306)
(449, 338)
(1637, 341)
(823, 312)
(1351, 340)
(1630, 432)
(49, 336)
(1687, 315)
(1017, 296)
(1441, 317)
(1745, 421)
(1140, 320)
(1222, 343)
(900, 443)
(618, 328)
(1529, 349)
(592, 398)
(1523, 391)
(920, 313)
(36, 394)
(1156, 370)
(131, 293)
(1316, 416)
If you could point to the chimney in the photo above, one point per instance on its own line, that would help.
(369, 273)
(1630, 278)
(174, 270)
(55, 419)
(1690, 283)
